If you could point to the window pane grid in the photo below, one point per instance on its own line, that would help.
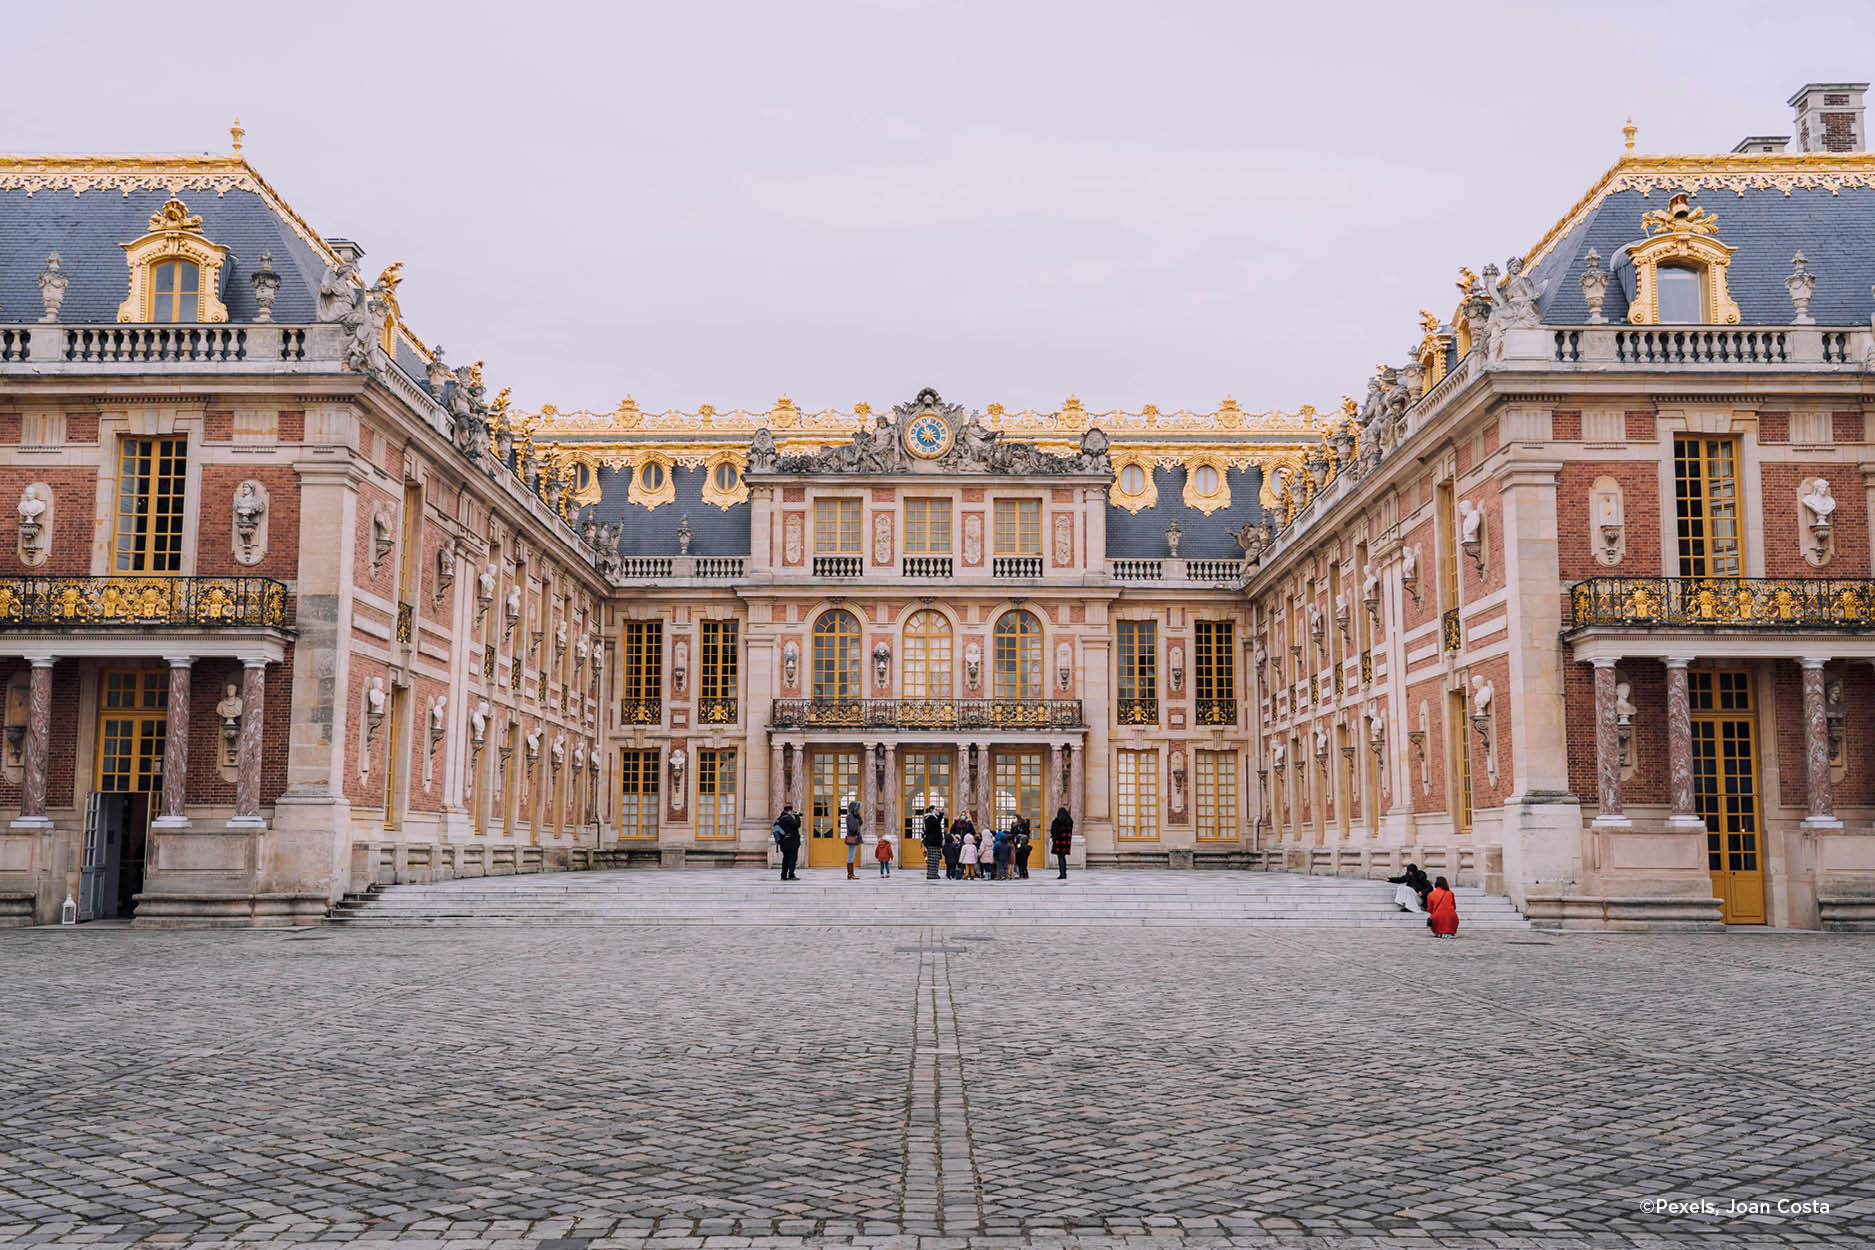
(1018, 527)
(151, 476)
(927, 663)
(1139, 660)
(719, 661)
(643, 659)
(1214, 661)
(1706, 498)
(638, 794)
(836, 526)
(927, 527)
(836, 656)
(1136, 818)
(716, 793)
(1216, 792)
(1018, 657)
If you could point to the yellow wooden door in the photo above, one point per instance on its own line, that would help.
(834, 784)
(1019, 793)
(925, 780)
(1725, 790)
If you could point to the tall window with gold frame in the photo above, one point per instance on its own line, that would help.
(927, 527)
(716, 793)
(836, 657)
(926, 664)
(1214, 671)
(1461, 764)
(393, 761)
(1136, 795)
(638, 794)
(1711, 538)
(152, 479)
(1139, 672)
(718, 672)
(1215, 787)
(836, 526)
(1017, 672)
(641, 661)
(409, 572)
(1446, 523)
(1018, 527)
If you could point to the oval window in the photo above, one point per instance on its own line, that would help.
(1132, 479)
(651, 477)
(725, 476)
(1204, 480)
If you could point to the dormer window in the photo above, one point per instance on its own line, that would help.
(175, 291)
(1680, 297)
(175, 271)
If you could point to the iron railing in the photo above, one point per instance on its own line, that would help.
(1213, 711)
(716, 711)
(1138, 711)
(1725, 602)
(406, 616)
(488, 662)
(1450, 635)
(944, 714)
(643, 711)
(140, 600)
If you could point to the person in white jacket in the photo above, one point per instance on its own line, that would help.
(968, 857)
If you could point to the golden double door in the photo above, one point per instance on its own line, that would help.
(925, 780)
(1725, 790)
(833, 783)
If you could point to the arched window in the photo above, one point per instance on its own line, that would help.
(175, 291)
(1018, 657)
(836, 656)
(1680, 295)
(927, 656)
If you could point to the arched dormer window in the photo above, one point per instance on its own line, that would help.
(1679, 270)
(175, 271)
(1133, 487)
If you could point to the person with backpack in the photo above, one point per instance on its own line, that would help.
(854, 839)
(1019, 840)
(1061, 840)
(788, 838)
(1001, 851)
(932, 837)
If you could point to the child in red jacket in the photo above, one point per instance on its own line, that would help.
(883, 853)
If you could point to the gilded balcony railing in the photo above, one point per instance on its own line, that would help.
(136, 600)
(716, 711)
(406, 615)
(641, 711)
(1138, 711)
(1450, 636)
(488, 662)
(1725, 602)
(1217, 711)
(938, 714)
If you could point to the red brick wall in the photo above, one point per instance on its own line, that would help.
(1433, 695)
(74, 510)
(1773, 427)
(1783, 520)
(1641, 428)
(1566, 425)
(1640, 504)
(1472, 587)
(370, 499)
(214, 555)
(1425, 537)
(1847, 427)
(62, 742)
(1485, 793)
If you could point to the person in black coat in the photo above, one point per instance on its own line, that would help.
(932, 836)
(953, 851)
(1019, 840)
(1414, 886)
(1061, 840)
(788, 838)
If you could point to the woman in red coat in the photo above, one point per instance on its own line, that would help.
(1442, 910)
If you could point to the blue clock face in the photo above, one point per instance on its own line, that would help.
(928, 437)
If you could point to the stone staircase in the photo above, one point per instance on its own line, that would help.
(823, 896)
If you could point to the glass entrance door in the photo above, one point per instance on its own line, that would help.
(1019, 793)
(925, 780)
(133, 724)
(834, 783)
(1725, 790)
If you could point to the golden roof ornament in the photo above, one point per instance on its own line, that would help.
(1680, 217)
(1428, 321)
(1628, 132)
(237, 132)
(174, 215)
(1467, 280)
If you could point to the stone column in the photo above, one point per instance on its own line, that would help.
(1607, 750)
(176, 747)
(888, 799)
(777, 778)
(1077, 784)
(1682, 816)
(38, 733)
(253, 710)
(1822, 814)
(869, 786)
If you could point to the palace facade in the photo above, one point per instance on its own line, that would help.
(1576, 604)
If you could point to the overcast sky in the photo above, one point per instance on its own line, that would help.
(1139, 203)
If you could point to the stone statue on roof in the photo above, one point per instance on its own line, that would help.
(1515, 298)
(338, 292)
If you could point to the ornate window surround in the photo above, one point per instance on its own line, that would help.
(644, 494)
(715, 496)
(1219, 498)
(175, 234)
(1681, 234)
(1133, 501)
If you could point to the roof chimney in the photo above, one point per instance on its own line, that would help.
(1829, 117)
(1757, 145)
(350, 252)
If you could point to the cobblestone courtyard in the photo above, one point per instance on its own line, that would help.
(899, 1086)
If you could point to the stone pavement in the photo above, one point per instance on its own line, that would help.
(929, 1088)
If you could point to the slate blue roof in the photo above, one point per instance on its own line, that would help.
(653, 532)
(87, 232)
(1142, 535)
(1835, 233)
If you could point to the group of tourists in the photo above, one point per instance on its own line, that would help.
(955, 847)
(1415, 892)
